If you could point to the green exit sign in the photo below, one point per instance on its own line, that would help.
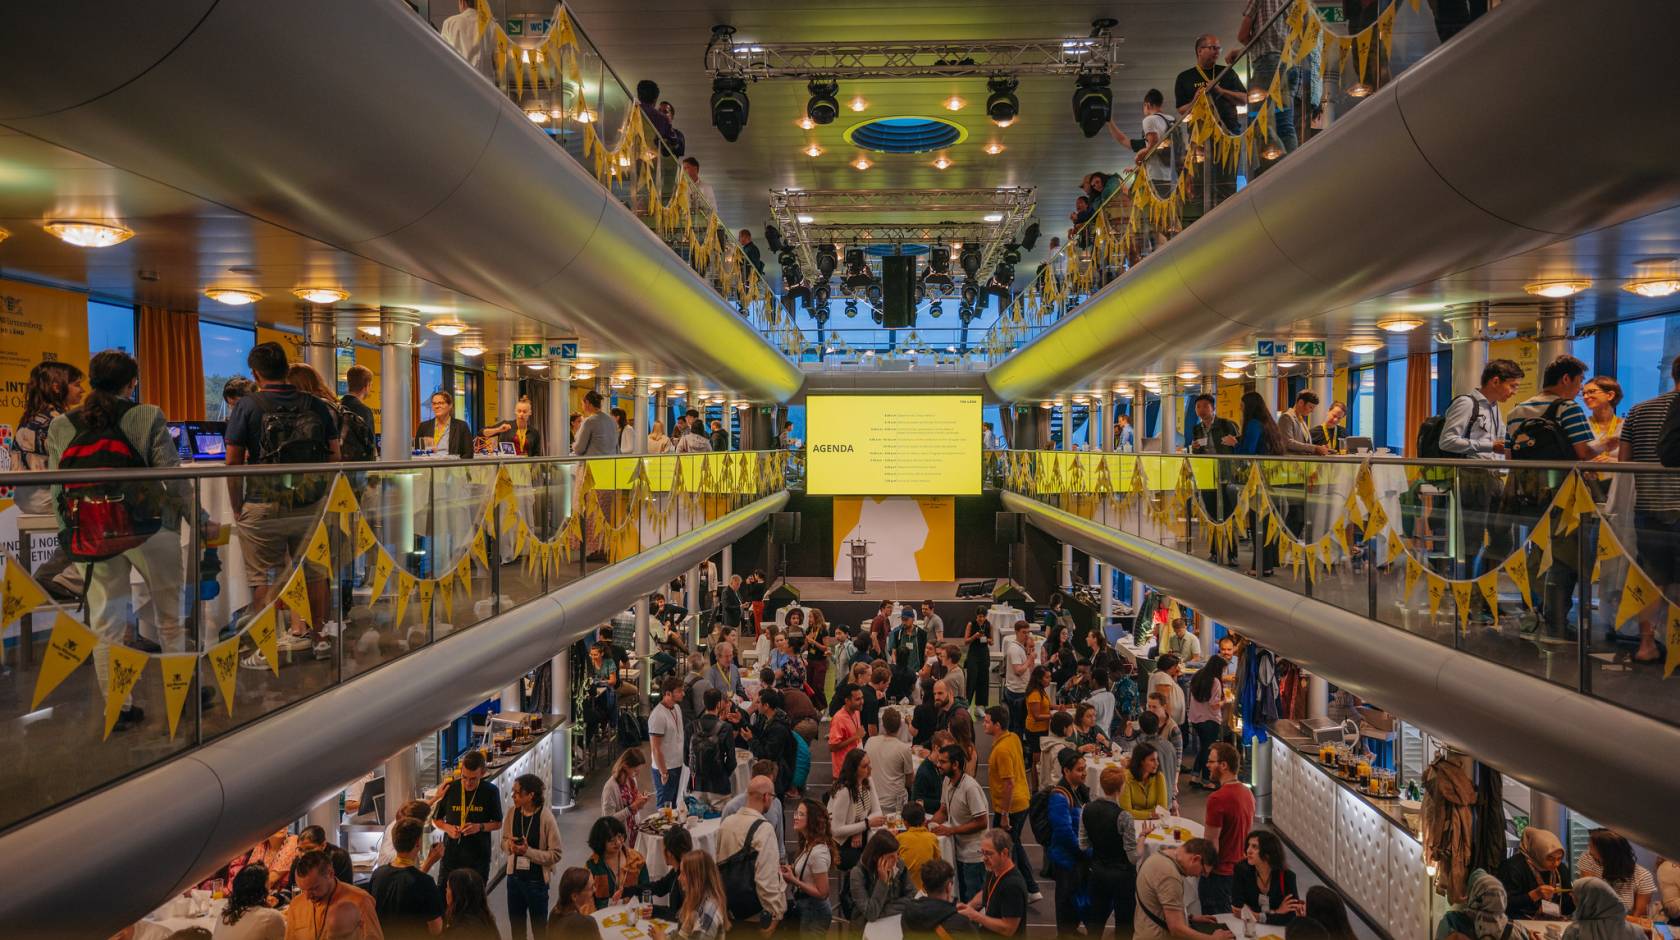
(527, 350)
(1331, 14)
(1309, 348)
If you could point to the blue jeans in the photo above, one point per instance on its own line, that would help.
(1017, 705)
(971, 880)
(527, 897)
(1265, 65)
(665, 786)
(814, 915)
(1015, 822)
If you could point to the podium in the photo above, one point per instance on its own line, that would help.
(859, 553)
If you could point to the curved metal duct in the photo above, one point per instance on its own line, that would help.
(1456, 164)
(353, 124)
(1554, 739)
(172, 826)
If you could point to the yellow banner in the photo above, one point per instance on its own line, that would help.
(224, 665)
(265, 635)
(319, 550)
(295, 595)
(69, 647)
(126, 666)
(365, 539)
(1673, 641)
(1637, 594)
(405, 587)
(178, 674)
(1516, 568)
(40, 324)
(19, 593)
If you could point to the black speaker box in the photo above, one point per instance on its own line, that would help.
(898, 292)
(781, 593)
(784, 526)
(1010, 529)
(1010, 592)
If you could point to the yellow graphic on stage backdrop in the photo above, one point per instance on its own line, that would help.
(893, 445)
(910, 539)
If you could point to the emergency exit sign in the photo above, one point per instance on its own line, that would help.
(1309, 348)
(527, 350)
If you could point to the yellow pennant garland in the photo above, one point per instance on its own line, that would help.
(319, 550)
(125, 667)
(178, 672)
(70, 646)
(265, 634)
(1461, 599)
(1516, 568)
(224, 665)
(295, 595)
(19, 593)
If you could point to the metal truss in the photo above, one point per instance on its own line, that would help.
(994, 199)
(920, 59)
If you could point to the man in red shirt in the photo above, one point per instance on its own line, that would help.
(845, 731)
(880, 625)
(1230, 813)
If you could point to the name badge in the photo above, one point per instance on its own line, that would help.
(1551, 909)
(521, 863)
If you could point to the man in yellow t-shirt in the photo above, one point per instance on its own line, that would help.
(1006, 776)
(916, 845)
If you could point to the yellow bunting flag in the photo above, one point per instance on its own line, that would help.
(1326, 552)
(518, 539)
(224, 665)
(265, 630)
(405, 588)
(1376, 522)
(1516, 568)
(476, 548)
(319, 550)
(463, 573)
(365, 539)
(19, 593)
(1339, 533)
(1638, 593)
(1673, 641)
(1488, 585)
(1461, 598)
(1541, 537)
(178, 674)
(126, 665)
(342, 499)
(1572, 499)
(1365, 486)
(69, 647)
(382, 566)
(1608, 548)
(295, 595)
(1396, 548)
(1437, 587)
(446, 597)
(427, 587)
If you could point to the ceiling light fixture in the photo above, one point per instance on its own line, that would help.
(954, 103)
(1093, 102)
(537, 365)
(371, 329)
(730, 106)
(941, 163)
(90, 234)
(1360, 90)
(655, 385)
(1189, 373)
(1287, 363)
(1399, 323)
(1562, 287)
(1273, 151)
(813, 151)
(1653, 287)
(805, 219)
(232, 296)
(1235, 362)
(471, 348)
(447, 327)
(1362, 345)
(320, 295)
(1047, 405)
(858, 104)
(821, 107)
(537, 116)
(805, 123)
(992, 217)
(994, 148)
(861, 163)
(584, 116)
(1231, 374)
(1652, 277)
(1002, 106)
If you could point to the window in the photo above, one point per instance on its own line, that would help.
(225, 349)
(1644, 348)
(1584, 349)
(110, 326)
(1362, 402)
(1394, 436)
(431, 379)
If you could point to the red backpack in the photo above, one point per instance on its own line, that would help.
(105, 519)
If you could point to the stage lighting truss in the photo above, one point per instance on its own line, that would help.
(983, 58)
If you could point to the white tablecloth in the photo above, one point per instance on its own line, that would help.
(163, 922)
(620, 922)
(743, 769)
(1234, 924)
(1003, 618)
(1160, 839)
(705, 835)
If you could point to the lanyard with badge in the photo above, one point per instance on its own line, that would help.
(325, 906)
(525, 824)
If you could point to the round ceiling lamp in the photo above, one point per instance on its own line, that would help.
(320, 295)
(84, 234)
(233, 296)
(447, 327)
(1231, 374)
(994, 148)
(537, 365)
(471, 348)
(1235, 362)
(1362, 345)
(941, 163)
(862, 163)
(954, 103)
(1653, 277)
(1558, 288)
(1400, 323)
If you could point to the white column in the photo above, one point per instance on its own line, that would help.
(726, 567)
(320, 342)
(1323, 382)
(692, 589)
(1169, 415)
(1318, 696)
(1204, 633)
(559, 429)
(1469, 345)
(1140, 410)
(507, 388)
(396, 363)
(1107, 573)
(402, 778)
(1265, 382)
(326, 815)
(642, 418)
(644, 630)
(1557, 322)
(560, 684)
(661, 408)
(1064, 577)
(510, 695)
(1067, 423)
(1095, 574)
(1104, 423)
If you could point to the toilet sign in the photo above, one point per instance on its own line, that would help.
(568, 350)
(1265, 349)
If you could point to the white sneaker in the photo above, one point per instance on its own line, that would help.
(288, 643)
(329, 628)
(323, 649)
(254, 661)
(1035, 897)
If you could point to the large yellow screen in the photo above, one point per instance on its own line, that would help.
(892, 445)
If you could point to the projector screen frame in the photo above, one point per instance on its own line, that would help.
(849, 473)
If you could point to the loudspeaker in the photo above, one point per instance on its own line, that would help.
(1010, 528)
(781, 593)
(898, 292)
(784, 526)
(1010, 592)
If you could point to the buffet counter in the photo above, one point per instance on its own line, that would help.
(1365, 846)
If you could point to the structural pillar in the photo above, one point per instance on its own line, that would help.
(1265, 382)
(1095, 575)
(661, 410)
(692, 590)
(320, 343)
(507, 388)
(726, 567)
(1101, 438)
(396, 363)
(644, 645)
(559, 429)
(1557, 323)
(1066, 574)
(560, 685)
(1107, 595)
(1469, 345)
(1169, 416)
(1204, 633)
(1548, 813)
(1323, 382)
(641, 420)
(1140, 411)
(402, 778)
(326, 814)
(1067, 423)
(1318, 696)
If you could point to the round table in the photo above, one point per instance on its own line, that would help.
(163, 922)
(620, 922)
(1160, 839)
(704, 832)
(1003, 619)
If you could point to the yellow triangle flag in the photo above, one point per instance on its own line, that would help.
(178, 674)
(382, 566)
(342, 498)
(476, 549)
(126, 666)
(1376, 522)
(463, 573)
(19, 593)
(1339, 534)
(1461, 598)
(1570, 499)
(1365, 486)
(1608, 548)
(365, 539)
(1673, 641)
(1638, 593)
(69, 647)
(427, 587)
(504, 484)
(446, 597)
(1541, 537)
(405, 588)
(518, 540)
(1396, 547)
(1516, 568)
(264, 632)
(319, 550)
(1488, 585)
(224, 665)
(1437, 587)
(295, 595)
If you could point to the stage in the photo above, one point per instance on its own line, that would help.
(837, 602)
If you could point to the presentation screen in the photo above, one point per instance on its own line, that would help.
(892, 445)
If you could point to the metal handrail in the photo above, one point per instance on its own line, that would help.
(1381, 460)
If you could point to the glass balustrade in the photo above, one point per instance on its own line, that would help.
(1539, 567)
(207, 619)
(1290, 82)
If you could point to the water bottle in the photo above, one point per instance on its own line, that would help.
(1265, 905)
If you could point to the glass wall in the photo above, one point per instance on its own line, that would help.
(225, 349)
(110, 326)
(1362, 403)
(1644, 349)
(1393, 435)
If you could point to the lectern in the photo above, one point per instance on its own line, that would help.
(860, 565)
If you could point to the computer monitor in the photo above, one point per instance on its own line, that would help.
(1358, 445)
(208, 440)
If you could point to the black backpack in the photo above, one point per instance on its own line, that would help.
(294, 433)
(357, 441)
(740, 879)
(1542, 438)
(1668, 445)
(1038, 813)
(711, 760)
(1429, 432)
(105, 519)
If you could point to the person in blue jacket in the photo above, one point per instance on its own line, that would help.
(1067, 800)
(803, 734)
(1260, 437)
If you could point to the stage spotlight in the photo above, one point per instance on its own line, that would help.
(1011, 254)
(1029, 235)
(826, 262)
(970, 260)
(969, 294)
(873, 294)
(939, 260)
(773, 238)
(1001, 105)
(823, 107)
(937, 310)
(819, 300)
(851, 306)
(1093, 102)
(729, 106)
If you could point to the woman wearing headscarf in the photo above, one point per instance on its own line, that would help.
(1532, 876)
(1481, 915)
(1599, 914)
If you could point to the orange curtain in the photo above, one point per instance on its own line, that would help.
(171, 363)
(1418, 405)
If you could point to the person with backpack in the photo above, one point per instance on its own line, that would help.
(115, 528)
(358, 442)
(1064, 802)
(1473, 429)
(1651, 428)
(1156, 159)
(1108, 833)
(750, 861)
(665, 743)
(711, 757)
(275, 513)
